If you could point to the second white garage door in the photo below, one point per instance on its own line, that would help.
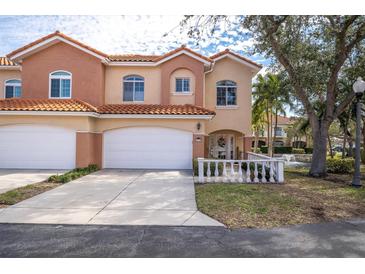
(148, 147)
(37, 147)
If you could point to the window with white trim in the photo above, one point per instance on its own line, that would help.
(182, 85)
(60, 84)
(13, 88)
(133, 88)
(226, 93)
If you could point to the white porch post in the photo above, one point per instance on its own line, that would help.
(201, 170)
(280, 172)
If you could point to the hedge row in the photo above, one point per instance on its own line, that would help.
(338, 165)
(285, 150)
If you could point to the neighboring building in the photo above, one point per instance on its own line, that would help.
(281, 132)
(68, 105)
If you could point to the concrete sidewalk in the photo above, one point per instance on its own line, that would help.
(14, 178)
(338, 239)
(116, 197)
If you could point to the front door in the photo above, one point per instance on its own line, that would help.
(222, 146)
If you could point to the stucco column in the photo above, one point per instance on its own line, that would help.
(198, 146)
(247, 145)
(88, 149)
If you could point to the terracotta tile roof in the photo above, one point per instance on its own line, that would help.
(132, 58)
(56, 33)
(16, 104)
(283, 120)
(227, 51)
(154, 109)
(183, 47)
(6, 62)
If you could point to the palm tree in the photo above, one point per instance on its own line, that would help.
(271, 96)
(263, 100)
(258, 122)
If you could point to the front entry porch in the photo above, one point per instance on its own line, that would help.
(225, 144)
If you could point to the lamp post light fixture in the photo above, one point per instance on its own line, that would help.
(359, 88)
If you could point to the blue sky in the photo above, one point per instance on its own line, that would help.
(121, 34)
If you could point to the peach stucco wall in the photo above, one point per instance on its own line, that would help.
(182, 98)
(71, 122)
(87, 73)
(237, 118)
(89, 149)
(7, 75)
(185, 62)
(198, 145)
(182, 124)
(114, 83)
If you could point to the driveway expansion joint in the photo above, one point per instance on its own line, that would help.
(123, 189)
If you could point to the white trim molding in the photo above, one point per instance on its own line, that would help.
(229, 55)
(10, 67)
(47, 113)
(157, 116)
(106, 116)
(52, 39)
(154, 64)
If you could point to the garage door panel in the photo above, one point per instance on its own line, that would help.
(38, 147)
(148, 148)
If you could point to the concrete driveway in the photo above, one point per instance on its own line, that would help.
(14, 178)
(115, 197)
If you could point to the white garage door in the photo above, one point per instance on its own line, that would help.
(37, 147)
(148, 147)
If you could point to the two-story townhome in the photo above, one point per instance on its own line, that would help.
(282, 139)
(68, 105)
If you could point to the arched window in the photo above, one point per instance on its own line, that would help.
(133, 88)
(60, 84)
(13, 88)
(226, 93)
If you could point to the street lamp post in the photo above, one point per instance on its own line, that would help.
(358, 87)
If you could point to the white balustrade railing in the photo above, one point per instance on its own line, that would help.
(268, 170)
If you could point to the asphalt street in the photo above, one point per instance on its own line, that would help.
(338, 239)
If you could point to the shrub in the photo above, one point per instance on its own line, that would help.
(258, 150)
(278, 150)
(298, 151)
(212, 168)
(73, 174)
(308, 150)
(336, 165)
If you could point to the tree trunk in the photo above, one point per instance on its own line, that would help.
(275, 127)
(320, 135)
(344, 145)
(351, 146)
(271, 152)
(363, 136)
(256, 141)
(330, 145)
(268, 131)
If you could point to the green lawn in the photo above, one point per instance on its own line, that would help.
(301, 199)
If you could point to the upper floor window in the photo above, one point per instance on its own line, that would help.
(13, 88)
(226, 93)
(133, 88)
(182, 85)
(60, 84)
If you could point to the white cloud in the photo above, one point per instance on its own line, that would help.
(119, 34)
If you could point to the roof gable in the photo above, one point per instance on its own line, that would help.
(237, 57)
(50, 40)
